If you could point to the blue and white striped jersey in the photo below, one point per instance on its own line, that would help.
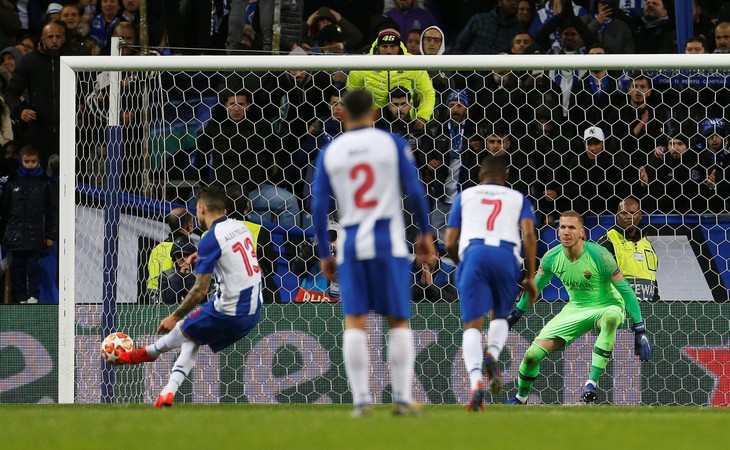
(490, 214)
(368, 171)
(228, 252)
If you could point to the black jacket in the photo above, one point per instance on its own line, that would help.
(39, 74)
(174, 285)
(29, 213)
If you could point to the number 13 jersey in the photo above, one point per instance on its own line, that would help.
(227, 251)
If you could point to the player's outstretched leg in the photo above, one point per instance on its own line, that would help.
(608, 324)
(136, 356)
(183, 365)
(149, 353)
(529, 369)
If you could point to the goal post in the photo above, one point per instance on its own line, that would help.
(264, 383)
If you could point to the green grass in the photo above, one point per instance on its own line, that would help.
(321, 427)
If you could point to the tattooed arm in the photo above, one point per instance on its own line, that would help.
(196, 296)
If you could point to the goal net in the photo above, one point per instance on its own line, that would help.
(141, 134)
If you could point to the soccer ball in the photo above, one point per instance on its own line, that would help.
(114, 345)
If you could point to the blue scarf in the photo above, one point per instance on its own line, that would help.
(598, 90)
(457, 135)
(30, 173)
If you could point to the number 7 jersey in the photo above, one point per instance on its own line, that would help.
(227, 251)
(368, 171)
(490, 214)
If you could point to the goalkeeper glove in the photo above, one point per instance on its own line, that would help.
(642, 344)
(514, 316)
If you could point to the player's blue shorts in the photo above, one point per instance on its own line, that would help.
(382, 285)
(487, 280)
(206, 326)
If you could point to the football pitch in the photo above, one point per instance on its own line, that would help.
(246, 426)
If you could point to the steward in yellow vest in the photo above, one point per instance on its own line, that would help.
(634, 253)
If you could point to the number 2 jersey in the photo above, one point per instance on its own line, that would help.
(228, 252)
(368, 171)
(490, 214)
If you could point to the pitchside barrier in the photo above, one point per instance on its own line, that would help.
(295, 356)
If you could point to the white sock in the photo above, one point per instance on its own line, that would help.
(357, 364)
(171, 340)
(401, 356)
(183, 365)
(496, 337)
(471, 347)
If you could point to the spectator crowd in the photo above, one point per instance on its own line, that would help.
(573, 139)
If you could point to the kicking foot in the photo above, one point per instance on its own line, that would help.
(493, 375)
(164, 400)
(476, 404)
(515, 401)
(589, 393)
(136, 356)
(407, 409)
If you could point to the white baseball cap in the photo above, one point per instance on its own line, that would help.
(54, 8)
(594, 133)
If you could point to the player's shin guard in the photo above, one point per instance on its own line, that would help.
(529, 369)
(471, 343)
(173, 339)
(402, 357)
(357, 364)
(183, 365)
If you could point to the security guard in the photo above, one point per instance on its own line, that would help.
(633, 252)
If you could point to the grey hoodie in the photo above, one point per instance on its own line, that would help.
(443, 44)
(17, 54)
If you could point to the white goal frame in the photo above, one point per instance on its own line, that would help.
(114, 64)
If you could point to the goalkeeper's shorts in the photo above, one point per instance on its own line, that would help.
(572, 323)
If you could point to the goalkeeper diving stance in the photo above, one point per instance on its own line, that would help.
(226, 253)
(599, 297)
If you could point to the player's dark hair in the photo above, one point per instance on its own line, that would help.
(493, 167)
(576, 214)
(29, 150)
(214, 198)
(358, 104)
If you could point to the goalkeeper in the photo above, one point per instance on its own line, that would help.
(599, 297)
